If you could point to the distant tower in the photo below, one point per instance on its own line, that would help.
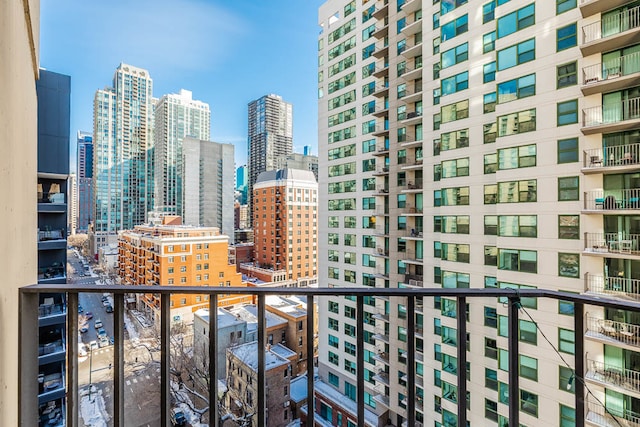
(122, 159)
(84, 180)
(270, 136)
(208, 185)
(242, 178)
(176, 116)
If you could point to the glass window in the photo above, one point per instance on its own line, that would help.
(568, 265)
(518, 226)
(567, 112)
(516, 21)
(567, 74)
(455, 55)
(567, 416)
(489, 72)
(489, 102)
(454, 28)
(566, 37)
(516, 191)
(566, 341)
(568, 188)
(521, 87)
(569, 227)
(568, 150)
(517, 157)
(528, 367)
(517, 54)
(515, 123)
(518, 260)
(488, 11)
(489, 42)
(455, 83)
(529, 403)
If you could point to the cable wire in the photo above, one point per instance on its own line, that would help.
(573, 371)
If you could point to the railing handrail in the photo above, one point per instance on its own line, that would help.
(337, 291)
(626, 109)
(630, 18)
(610, 69)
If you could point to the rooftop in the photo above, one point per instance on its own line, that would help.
(225, 318)
(286, 305)
(248, 354)
(249, 313)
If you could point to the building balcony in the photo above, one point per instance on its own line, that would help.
(613, 376)
(615, 31)
(613, 332)
(412, 118)
(381, 51)
(411, 142)
(50, 380)
(612, 245)
(381, 31)
(610, 160)
(382, 357)
(381, 71)
(381, 190)
(413, 186)
(381, 10)
(380, 171)
(413, 27)
(382, 399)
(412, 210)
(412, 50)
(411, 74)
(411, 6)
(412, 164)
(615, 287)
(613, 75)
(381, 252)
(414, 234)
(617, 117)
(410, 97)
(381, 150)
(591, 7)
(613, 202)
(381, 111)
(381, 131)
(598, 416)
(381, 91)
(410, 257)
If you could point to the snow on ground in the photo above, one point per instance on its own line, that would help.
(140, 318)
(93, 411)
(128, 324)
(185, 402)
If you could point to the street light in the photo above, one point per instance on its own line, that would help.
(90, 367)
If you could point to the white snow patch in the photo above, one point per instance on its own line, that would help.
(93, 411)
(128, 324)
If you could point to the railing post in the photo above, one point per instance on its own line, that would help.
(72, 359)
(310, 360)
(578, 319)
(462, 360)
(165, 358)
(514, 379)
(411, 361)
(262, 402)
(28, 360)
(118, 360)
(360, 358)
(213, 361)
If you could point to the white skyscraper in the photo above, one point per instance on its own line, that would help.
(176, 116)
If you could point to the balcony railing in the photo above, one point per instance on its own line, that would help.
(611, 25)
(628, 109)
(620, 243)
(625, 333)
(613, 374)
(622, 199)
(619, 155)
(30, 388)
(618, 287)
(613, 69)
(598, 415)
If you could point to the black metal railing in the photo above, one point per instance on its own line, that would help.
(29, 345)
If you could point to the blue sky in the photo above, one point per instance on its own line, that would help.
(227, 53)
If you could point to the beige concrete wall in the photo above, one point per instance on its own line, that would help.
(19, 40)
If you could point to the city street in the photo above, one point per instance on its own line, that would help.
(142, 392)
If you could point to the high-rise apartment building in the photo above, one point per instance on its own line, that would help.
(72, 214)
(208, 182)
(285, 223)
(84, 180)
(176, 116)
(54, 105)
(270, 136)
(438, 123)
(122, 158)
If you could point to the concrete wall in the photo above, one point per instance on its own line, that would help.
(19, 45)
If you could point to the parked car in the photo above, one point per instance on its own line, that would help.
(109, 308)
(98, 324)
(84, 329)
(80, 309)
(93, 345)
(105, 302)
(102, 333)
(177, 417)
(111, 340)
(104, 342)
(88, 315)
